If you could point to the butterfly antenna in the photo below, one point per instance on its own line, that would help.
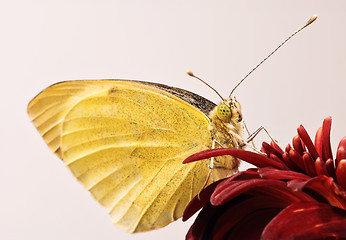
(192, 75)
(311, 20)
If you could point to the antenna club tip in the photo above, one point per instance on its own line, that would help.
(312, 19)
(190, 73)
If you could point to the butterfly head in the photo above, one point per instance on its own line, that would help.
(229, 111)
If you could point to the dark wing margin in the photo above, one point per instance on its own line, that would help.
(195, 100)
(199, 102)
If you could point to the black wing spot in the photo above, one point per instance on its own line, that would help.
(112, 90)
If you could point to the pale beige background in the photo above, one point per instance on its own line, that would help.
(43, 42)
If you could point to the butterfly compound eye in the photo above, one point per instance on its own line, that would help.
(224, 112)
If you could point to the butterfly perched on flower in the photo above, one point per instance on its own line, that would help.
(125, 141)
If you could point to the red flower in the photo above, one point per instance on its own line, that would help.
(298, 193)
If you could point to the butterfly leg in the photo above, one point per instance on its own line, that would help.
(248, 132)
(254, 134)
(210, 166)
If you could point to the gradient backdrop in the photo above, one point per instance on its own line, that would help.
(43, 42)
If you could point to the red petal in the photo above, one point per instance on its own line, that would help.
(307, 141)
(228, 190)
(275, 158)
(309, 164)
(239, 220)
(257, 220)
(327, 149)
(288, 162)
(320, 221)
(271, 173)
(297, 145)
(320, 167)
(213, 222)
(271, 150)
(264, 151)
(319, 141)
(341, 152)
(322, 186)
(330, 168)
(199, 201)
(244, 175)
(296, 158)
(284, 194)
(250, 157)
(189, 235)
(200, 227)
(341, 173)
(277, 148)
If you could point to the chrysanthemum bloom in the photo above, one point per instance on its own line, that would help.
(298, 193)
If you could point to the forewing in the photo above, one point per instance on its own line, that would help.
(48, 109)
(126, 142)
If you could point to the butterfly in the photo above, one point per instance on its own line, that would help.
(125, 141)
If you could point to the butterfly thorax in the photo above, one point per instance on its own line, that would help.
(227, 131)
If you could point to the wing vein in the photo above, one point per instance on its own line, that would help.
(145, 211)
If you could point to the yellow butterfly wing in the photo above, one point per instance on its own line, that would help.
(125, 141)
